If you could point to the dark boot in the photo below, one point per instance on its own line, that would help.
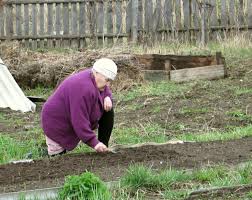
(58, 154)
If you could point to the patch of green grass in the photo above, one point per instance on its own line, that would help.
(82, 148)
(135, 106)
(240, 91)
(210, 174)
(213, 136)
(177, 184)
(14, 121)
(163, 88)
(2, 116)
(156, 109)
(178, 126)
(224, 181)
(175, 195)
(138, 176)
(234, 48)
(22, 196)
(39, 91)
(155, 133)
(141, 134)
(124, 194)
(11, 149)
(249, 195)
(245, 173)
(238, 114)
(168, 177)
(219, 175)
(86, 186)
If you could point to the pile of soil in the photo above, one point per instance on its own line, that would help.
(110, 166)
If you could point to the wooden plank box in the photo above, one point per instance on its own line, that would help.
(182, 68)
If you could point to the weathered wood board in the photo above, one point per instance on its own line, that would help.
(198, 73)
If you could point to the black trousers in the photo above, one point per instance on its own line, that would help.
(106, 124)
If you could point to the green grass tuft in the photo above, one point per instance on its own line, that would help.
(86, 186)
(137, 177)
(39, 91)
(210, 174)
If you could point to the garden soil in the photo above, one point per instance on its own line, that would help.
(219, 105)
(50, 172)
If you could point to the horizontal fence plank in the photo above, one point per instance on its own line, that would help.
(107, 35)
(115, 35)
(46, 1)
(213, 28)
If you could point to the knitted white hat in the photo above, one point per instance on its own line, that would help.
(106, 67)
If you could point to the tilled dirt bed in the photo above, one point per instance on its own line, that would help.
(110, 166)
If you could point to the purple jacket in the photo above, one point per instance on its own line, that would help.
(73, 111)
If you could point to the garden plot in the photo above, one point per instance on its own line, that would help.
(110, 166)
(213, 118)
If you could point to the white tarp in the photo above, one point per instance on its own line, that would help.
(11, 94)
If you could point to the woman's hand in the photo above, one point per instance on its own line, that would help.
(107, 104)
(100, 147)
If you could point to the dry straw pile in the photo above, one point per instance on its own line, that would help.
(31, 68)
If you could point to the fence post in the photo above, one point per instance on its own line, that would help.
(134, 31)
(203, 24)
(205, 11)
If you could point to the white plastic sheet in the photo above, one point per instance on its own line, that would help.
(11, 95)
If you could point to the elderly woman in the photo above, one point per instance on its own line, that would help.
(80, 104)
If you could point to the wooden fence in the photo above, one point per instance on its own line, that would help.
(78, 23)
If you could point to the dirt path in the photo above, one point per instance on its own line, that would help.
(110, 166)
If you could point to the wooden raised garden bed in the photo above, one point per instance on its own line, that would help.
(182, 68)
